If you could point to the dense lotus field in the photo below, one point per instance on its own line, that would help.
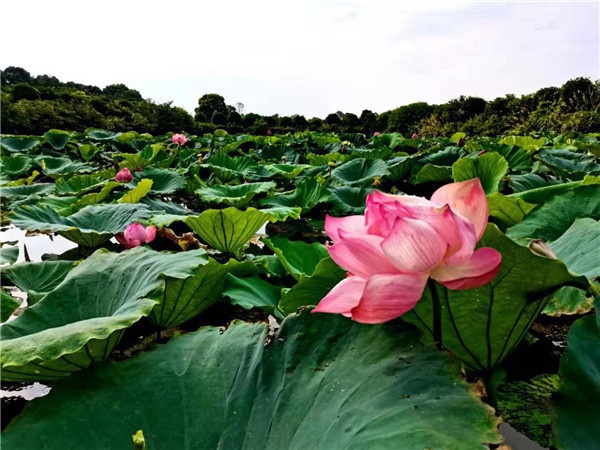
(182, 318)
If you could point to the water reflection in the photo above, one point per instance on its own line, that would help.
(35, 245)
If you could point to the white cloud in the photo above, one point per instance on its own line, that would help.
(311, 57)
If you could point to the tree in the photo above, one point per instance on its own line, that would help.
(406, 118)
(239, 107)
(122, 92)
(208, 106)
(12, 75)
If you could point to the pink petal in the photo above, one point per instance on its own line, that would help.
(150, 233)
(121, 239)
(480, 269)
(467, 199)
(135, 231)
(414, 246)
(349, 224)
(133, 243)
(343, 297)
(383, 209)
(386, 297)
(362, 256)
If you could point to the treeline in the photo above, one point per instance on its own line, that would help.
(33, 105)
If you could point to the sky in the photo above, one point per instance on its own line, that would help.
(310, 57)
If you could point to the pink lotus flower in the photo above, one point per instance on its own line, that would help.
(123, 176)
(269, 133)
(377, 133)
(414, 136)
(400, 242)
(135, 235)
(179, 139)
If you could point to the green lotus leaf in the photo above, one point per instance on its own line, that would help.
(490, 168)
(281, 213)
(81, 320)
(101, 135)
(227, 168)
(482, 326)
(253, 292)
(310, 290)
(347, 199)
(568, 300)
(37, 278)
(78, 184)
(568, 164)
(323, 383)
(507, 211)
(528, 184)
(227, 230)
(164, 181)
(137, 193)
(158, 206)
(57, 167)
(578, 247)
(15, 165)
(185, 298)
(26, 190)
(58, 139)
(307, 195)
(298, 257)
(527, 142)
(287, 171)
(430, 173)
(552, 219)
(577, 422)
(360, 172)
(89, 227)
(323, 160)
(517, 158)
(87, 151)
(8, 254)
(399, 167)
(445, 157)
(8, 305)
(238, 196)
(19, 143)
(91, 199)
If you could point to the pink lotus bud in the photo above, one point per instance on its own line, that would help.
(377, 133)
(269, 133)
(414, 136)
(400, 242)
(123, 176)
(461, 142)
(135, 235)
(344, 149)
(179, 139)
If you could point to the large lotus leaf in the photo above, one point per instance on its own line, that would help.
(482, 326)
(57, 167)
(324, 160)
(227, 168)
(164, 181)
(287, 171)
(307, 195)
(37, 278)
(101, 135)
(8, 305)
(568, 164)
(158, 206)
(227, 230)
(18, 143)
(490, 168)
(324, 382)
(26, 190)
(369, 153)
(92, 198)
(185, 298)
(399, 167)
(281, 213)
(525, 183)
(89, 227)
(88, 151)
(568, 300)
(348, 199)
(238, 196)
(517, 158)
(136, 194)
(550, 220)
(445, 157)
(360, 172)
(82, 319)
(15, 165)
(527, 142)
(8, 254)
(578, 421)
(253, 292)
(507, 211)
(58, 139)
(579, 247)
(431, 173)
(79, 184)
(298, 257)
(310, 290)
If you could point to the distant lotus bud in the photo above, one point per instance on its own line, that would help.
(377, 133)
(179, 139)
(481, 152)
(269, 133)
(415, 136)
(123, 176)
(138, 169)
(283, 159)
(461, 142)
(344, 148)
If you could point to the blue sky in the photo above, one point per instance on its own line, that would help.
(306, 57)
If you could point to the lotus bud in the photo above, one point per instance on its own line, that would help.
(269, 133)
(135, 235)
(344, 148)
(179, 139)
(139, 442)
(461, 142)
(415, 136)
(377, 133)
(123, 176)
